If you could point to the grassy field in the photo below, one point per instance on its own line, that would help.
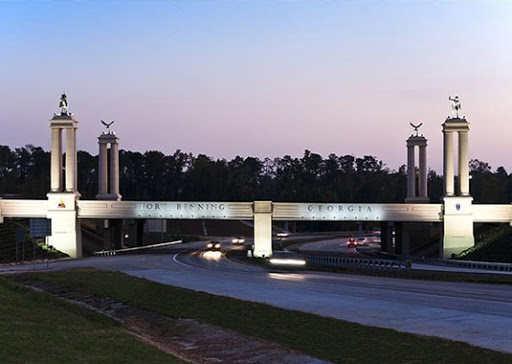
(321, 337)
(38, 328)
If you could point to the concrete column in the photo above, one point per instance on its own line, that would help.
(411, 172)
(423, 171)
(70, 160)
(417, 192)
(398, 229)
(448, 167)
(62, 207)
(56, 160)
(463, 163)
(140, 232)
(102, 169)
(114, 169)
(262, 211)
(76, 160)
(386, 237)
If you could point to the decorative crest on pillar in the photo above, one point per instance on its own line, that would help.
(416, 127)
(456, 106)
(107, 125)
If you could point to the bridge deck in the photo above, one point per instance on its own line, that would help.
(284, 211)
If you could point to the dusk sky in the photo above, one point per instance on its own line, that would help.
(260, 78)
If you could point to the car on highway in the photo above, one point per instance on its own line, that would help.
(283, 234)
(213, 245)
(286, 258)
(351, 242)
(238, 240)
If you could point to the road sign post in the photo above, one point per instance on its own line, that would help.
(40, 228)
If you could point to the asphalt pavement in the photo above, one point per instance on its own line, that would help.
(479, 314)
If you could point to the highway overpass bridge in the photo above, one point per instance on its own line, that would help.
(63, 206)
(262, 213)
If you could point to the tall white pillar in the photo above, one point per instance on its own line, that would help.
(76, 160)
(423, 172)
(56, 160)
(458, 208)
(262, 211)
(66, 232)
(102, 169)
(71, 165)
(58, 124)
(448, 164)
(411, 172)
(114, 169)
(463, 163)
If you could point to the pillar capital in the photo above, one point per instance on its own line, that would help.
(414, 140)
(108, 138)
(455, 124)
(63, 121)
(262, 207)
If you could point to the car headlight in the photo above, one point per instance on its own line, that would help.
(209, 245)
(217, 245)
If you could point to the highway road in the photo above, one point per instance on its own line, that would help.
(480, 314)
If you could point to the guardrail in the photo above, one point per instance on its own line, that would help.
(103, 253)
(137, 248)
(472, 264)
(379, 264)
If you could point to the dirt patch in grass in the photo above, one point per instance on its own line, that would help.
(187, 339)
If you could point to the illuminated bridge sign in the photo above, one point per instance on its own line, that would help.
(165, 210)
(244, 211)
(357, 212)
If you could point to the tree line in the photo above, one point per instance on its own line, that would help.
(25, 173)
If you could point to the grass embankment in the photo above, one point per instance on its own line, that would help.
(495, 247)
(321, 337)
(38, 328)
(29, 249)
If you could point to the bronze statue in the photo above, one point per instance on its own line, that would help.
(455, 106)
(63, 104)
(416, 127)
(107, 124)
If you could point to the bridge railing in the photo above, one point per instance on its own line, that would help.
(109, 252)
(335, 262)
(472, 264)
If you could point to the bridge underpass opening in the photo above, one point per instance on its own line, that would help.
(373, 238)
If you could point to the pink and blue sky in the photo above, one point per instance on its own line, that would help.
(260, 78)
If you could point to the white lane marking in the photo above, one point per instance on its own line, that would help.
(174, 258)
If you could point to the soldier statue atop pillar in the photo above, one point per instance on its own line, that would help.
(456, 107)
(63, 104)
(64, 108)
